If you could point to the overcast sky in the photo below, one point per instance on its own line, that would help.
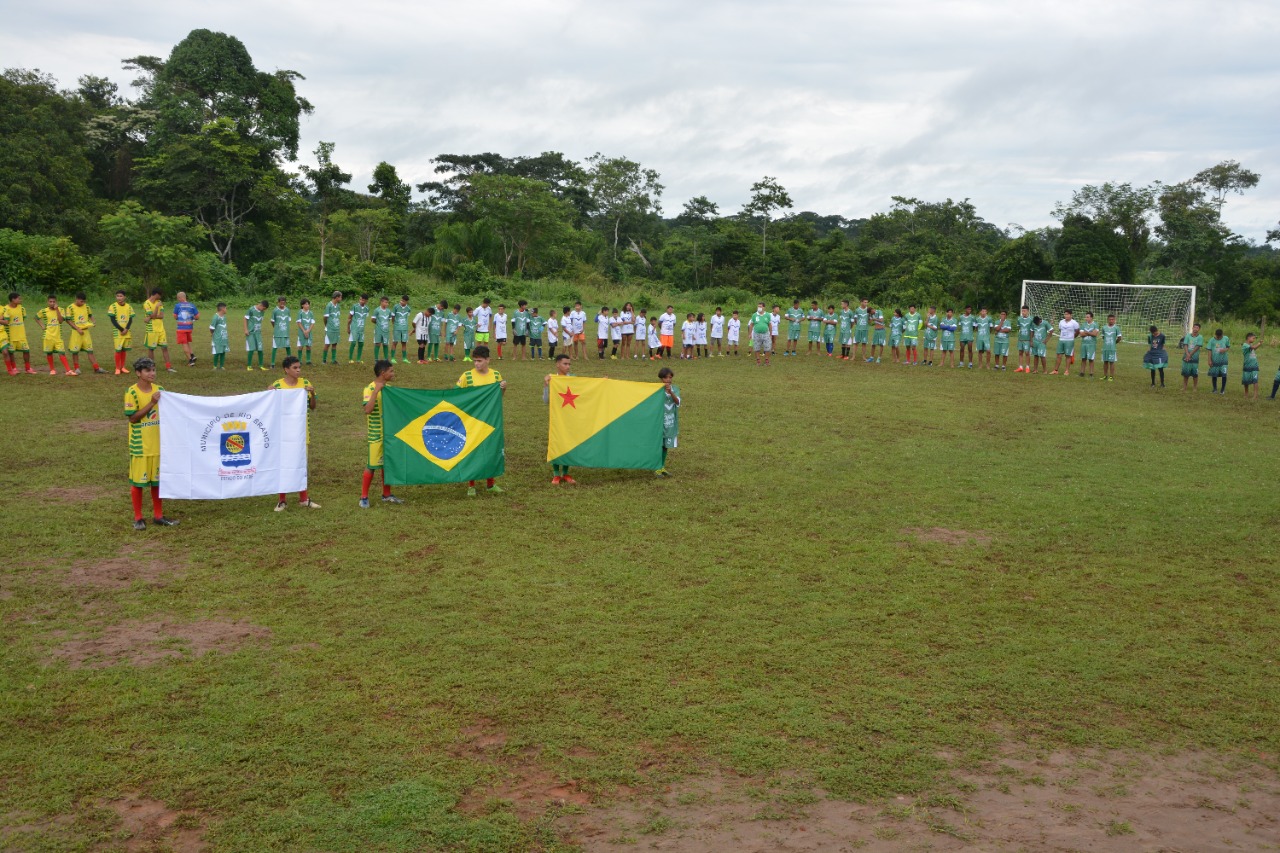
(1012, 105)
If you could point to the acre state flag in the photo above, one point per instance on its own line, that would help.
(605, 423)
(442, 436)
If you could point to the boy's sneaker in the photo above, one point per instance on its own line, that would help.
(249, 368)
(471, 491)
(164, 522)
(282, 506)
(139, 525)
(566, 479)
(191, 362)
(53, 373)
(364, 503)
(392, 499)
(99, 370)
(309, 504)
(497, 490)
(556, 480)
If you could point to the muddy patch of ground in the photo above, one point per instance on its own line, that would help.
(1021, 801)
(74, 494)
(132, 563)
(947, 536)
(148, 643)
(151, 825)
(520, 783)
(109, 425)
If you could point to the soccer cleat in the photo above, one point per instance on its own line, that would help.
(53, 373)
(556, 480)
(30, 370)
(125, 371)
(471, 491)
(171, 370)
(139, 524)
(392, 499)
(260, 367)
(99, 370)
(495, 489)
(164, 522)
(249, 368)
(15, 373)
(309, 504)
(191, 362)
(282, 506)
(364, 503)
(566, 479)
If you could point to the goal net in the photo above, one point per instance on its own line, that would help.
(1137, 306)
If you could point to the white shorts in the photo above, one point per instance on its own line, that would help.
(733, 339)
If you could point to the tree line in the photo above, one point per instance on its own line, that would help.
(196, 180)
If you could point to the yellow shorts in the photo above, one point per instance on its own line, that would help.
(52, 346)
(375, 455)
(18, 342)
(144, 471)
(156, 338)
(122, 342)
(4, 339)
(80, 342)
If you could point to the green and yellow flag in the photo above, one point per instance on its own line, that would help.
(445, 436)
(605, 423)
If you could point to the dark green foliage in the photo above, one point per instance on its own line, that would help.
(43, 264)
(1088, 251)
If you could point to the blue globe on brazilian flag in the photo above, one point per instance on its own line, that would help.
(442, 436)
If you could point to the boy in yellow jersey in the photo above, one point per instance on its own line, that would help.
(79, 316)
(120, 313)
(153, 312)
(9, 364)
(476, 376)
(293, 380)
(383, 372)
(49, 318)
(140, 407)
(14, 318)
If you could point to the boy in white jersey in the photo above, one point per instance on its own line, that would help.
(602, 330)
(717, 331)
(1067, 328)
(500, 328)
(735, 328)
(688, 335)
(666, 331)
(484, 318)
(775, 321)
(553, 334)
(655, 342)
(640, 348)
(578, 329)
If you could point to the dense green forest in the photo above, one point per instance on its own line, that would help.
(196, 181)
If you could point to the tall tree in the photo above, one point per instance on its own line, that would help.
(523, 212)
(1121, 207)
(149, 245)
(326, 186)
(1226, 177)
(767, 195)
(387, 186)
(698, 214)
(622, 189)
(1089, 251)
(1193, 240)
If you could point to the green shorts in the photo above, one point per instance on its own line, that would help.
(860, 336)
(1249, 377)
(895, 341)
(793, 334)
(1218, 370)
(1001, 348)
(400, 336)
(815, 336)
(910, 342)
(253, 342)
(1191, 368)
(1067, 347)
(1039, 350)
(877, 338)
(356, 336)
(1024, 346)
(280, 343)
(846, 340)
(984, 344)
(1088, 352)
(965, 340)
(948, 346)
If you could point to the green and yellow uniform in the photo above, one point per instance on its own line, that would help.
(373, 425)
(52, 339)
(144, 437)
(1219, 350)
(153, 310)
(81, 316)
(400, 323)
(911, 328)
(121, 330)
(1111, 337)
(253, 329)
(474, 378)
(1191, 344)
(861, 324)
(1088, 343)
(16, 315)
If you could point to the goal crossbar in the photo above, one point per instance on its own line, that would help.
(1136, 306)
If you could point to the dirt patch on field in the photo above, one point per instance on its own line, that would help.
(1021, 801)
(149, 643)
(110, 425)
(131, 563)
(74, 494)
(947, 536)
(521, 784)
(151, 825)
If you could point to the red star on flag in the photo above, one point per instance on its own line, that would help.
(568, 397)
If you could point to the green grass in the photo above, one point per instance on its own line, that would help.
(765, 609)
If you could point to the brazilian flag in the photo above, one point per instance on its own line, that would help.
(605, 423)
(445, 436)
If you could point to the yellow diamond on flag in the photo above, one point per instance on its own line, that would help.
(445, 435)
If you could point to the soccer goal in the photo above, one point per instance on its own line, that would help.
(1137, 306)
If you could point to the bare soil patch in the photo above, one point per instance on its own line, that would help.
(1022, 801)
(947, 536)
(131, 563)
(148, 643)
(151, 825)
(110, 425)
(522, 785)
(74, 494)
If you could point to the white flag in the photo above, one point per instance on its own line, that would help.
(232, 447)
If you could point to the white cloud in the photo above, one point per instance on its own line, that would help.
(1012, 105)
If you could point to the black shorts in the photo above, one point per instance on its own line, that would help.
(519, 340)
(535, 342)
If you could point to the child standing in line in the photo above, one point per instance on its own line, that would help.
(734, 330)
(468, 334)
(567, 335)
(1249, 369)
(911, 335)
(688, 334)
(700, 342)
(795, 316)
(877, 336)
(536, 325)
(640, 349)
(1191, 345)
(615, 334)
(79, 317)
(816, 326)
(1088, 334)
(280, 321)
(895, 335)
(947, 326)
(371, 400)
(602, 331)
(520, 329)
(670, 417)
(1040, 345)
(655, 342)
(332, 317)
(717, 330)
(1000, 347)
(845, 320)
(559, 473)
(477, 376)
(931, 329)
(1111, 337)
(628, 318)
(399, 329)
(1025, 323)
(49, 318)
(829, 323)
(967, 323)
(140, 409)
(775, 322)
(499, 329)
(1157, 357)
(357, 321)
(381, 318)
(1219, 350)
(982, 337)
(451, 325)
(293, 380)
(253, 334)
(553, 333)
(220, 337)
(306, 322)
(421, 332)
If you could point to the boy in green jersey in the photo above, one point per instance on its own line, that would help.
(536, 325)
(829, 324)
(845, 321)
(982, 337)
(218, 332)
(877, 336)
(1219, 349)
(911, 335)
(1088, 334)
(253, 333)
(1191, 345)
(332, 317)
(1111, 337)
(1249, 369)
(1000, 347)
(520, 330)
(435, 323)
(861, 328)
(381, 318)
(1040, 345)
(306, 322)
(357, 319)
(816, 325)
(400, 329)
(281, 320)
(967, 323)
(947, 326)
(895, 335)
(1024, 340)
(930, 335)
(452, 324)
(468, 334)
(795, 317)
(670, 415)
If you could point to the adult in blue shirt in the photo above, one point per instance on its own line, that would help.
(185, 315)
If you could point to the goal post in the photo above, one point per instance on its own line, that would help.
(1137, 306)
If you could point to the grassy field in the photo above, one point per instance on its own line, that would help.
(853, 572)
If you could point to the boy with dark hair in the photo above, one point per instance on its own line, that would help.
(294, 381)
(153, 311)
(49, 318)
(383, 372)
(475, 377)
(79, 317)
(281, 321)
(253, 334)
(140, 409)
(357, 320)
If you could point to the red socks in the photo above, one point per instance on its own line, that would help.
(49, 358)
(302, 496)
(135, 494)
(365, 482)
(65, 366)
(499, 350)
